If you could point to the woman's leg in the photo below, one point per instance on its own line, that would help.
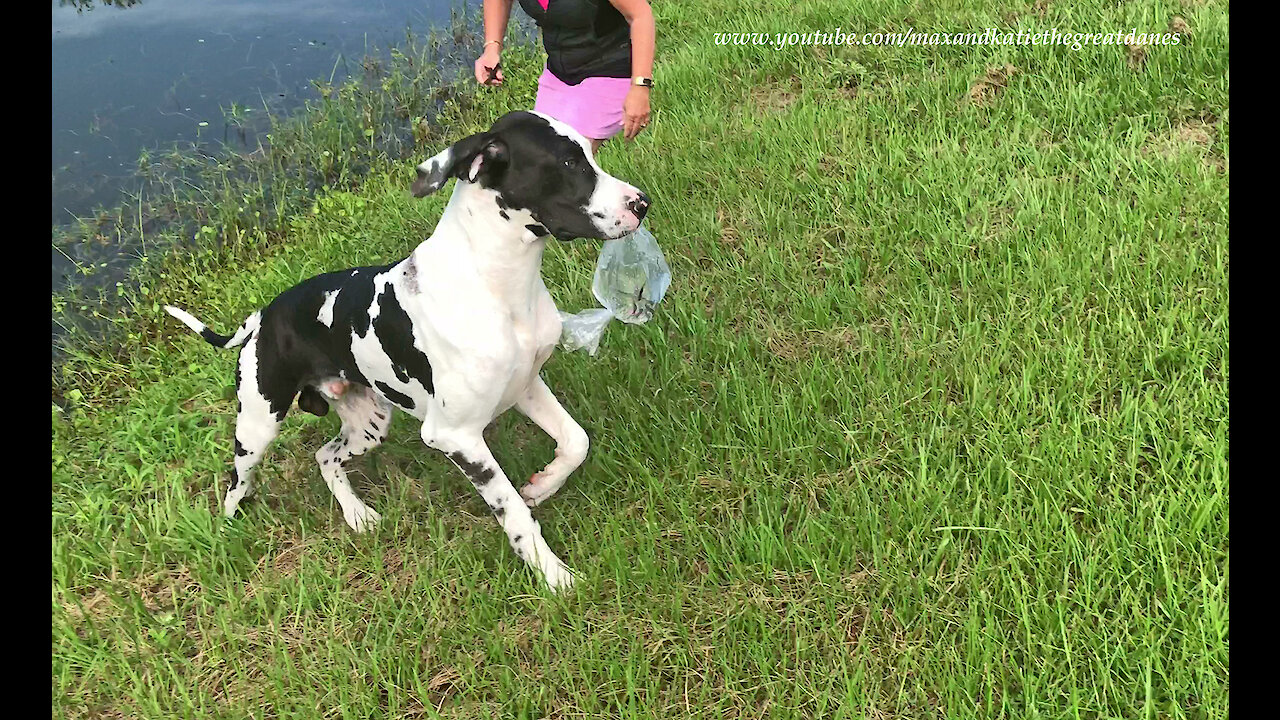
(595, 145)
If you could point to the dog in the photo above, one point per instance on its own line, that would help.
(454, 335)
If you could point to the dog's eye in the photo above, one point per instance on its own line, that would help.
(571, 163)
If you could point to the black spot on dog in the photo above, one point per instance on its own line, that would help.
(351, 309)
(402, 373)
(394, 331)
(500, 511)
(393, 395)
(240, 451)
(517, 538)
(598, 215)
(536, 229)
(295, 353)
(476, 471)
(239, 405)
(504, 214)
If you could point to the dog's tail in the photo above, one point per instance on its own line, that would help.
(223, 341)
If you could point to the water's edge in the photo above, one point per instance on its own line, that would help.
(233, 203)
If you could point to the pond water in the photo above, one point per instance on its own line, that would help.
(135, 76)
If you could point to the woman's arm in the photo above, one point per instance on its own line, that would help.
(496, 15)
(640, 17)
(635, 109)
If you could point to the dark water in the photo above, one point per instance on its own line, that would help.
(143, 75)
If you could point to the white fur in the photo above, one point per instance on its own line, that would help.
(187, 318)
(256, 427)
(326, 310)
(484, 316)
(242, 333)
(366, 420)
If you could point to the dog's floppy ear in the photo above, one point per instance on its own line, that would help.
(480, 157)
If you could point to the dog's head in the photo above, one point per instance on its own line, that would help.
(540, 166)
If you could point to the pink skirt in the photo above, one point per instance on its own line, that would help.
(593, 107)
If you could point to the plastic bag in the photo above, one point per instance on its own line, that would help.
(631, 277)
(583, 330)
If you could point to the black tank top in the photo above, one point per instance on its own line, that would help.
(584, 38)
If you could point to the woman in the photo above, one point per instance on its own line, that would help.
(599, 62)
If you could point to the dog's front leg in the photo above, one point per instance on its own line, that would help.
(469, 452)
(571, 441)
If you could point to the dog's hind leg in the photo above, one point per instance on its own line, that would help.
(366, 420)
(571, 441)
(467, 450)
(256, 427)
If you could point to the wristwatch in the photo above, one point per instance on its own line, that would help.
(642, 81)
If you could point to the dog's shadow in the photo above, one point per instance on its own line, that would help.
(402, 475)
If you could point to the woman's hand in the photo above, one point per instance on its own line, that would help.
(635, 111)
(488, 66)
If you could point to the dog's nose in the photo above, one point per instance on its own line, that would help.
(639, 206)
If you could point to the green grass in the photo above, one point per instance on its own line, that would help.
(933, 421)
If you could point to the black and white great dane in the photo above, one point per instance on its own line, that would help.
(455, 334)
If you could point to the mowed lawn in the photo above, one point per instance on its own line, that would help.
(933, 421)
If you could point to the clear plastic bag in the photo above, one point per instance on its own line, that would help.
(583, 330)
(631, 277)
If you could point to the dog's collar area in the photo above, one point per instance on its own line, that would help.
(487, 207)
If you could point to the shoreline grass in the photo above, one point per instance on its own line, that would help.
(220, 206)
(933, 421)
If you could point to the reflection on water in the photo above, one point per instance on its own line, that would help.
(131, 76)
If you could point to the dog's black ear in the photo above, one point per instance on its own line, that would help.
(476, 158)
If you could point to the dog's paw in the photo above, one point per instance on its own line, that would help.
(559, 578)
(539, 489)
(361, 517)
(231, 502)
